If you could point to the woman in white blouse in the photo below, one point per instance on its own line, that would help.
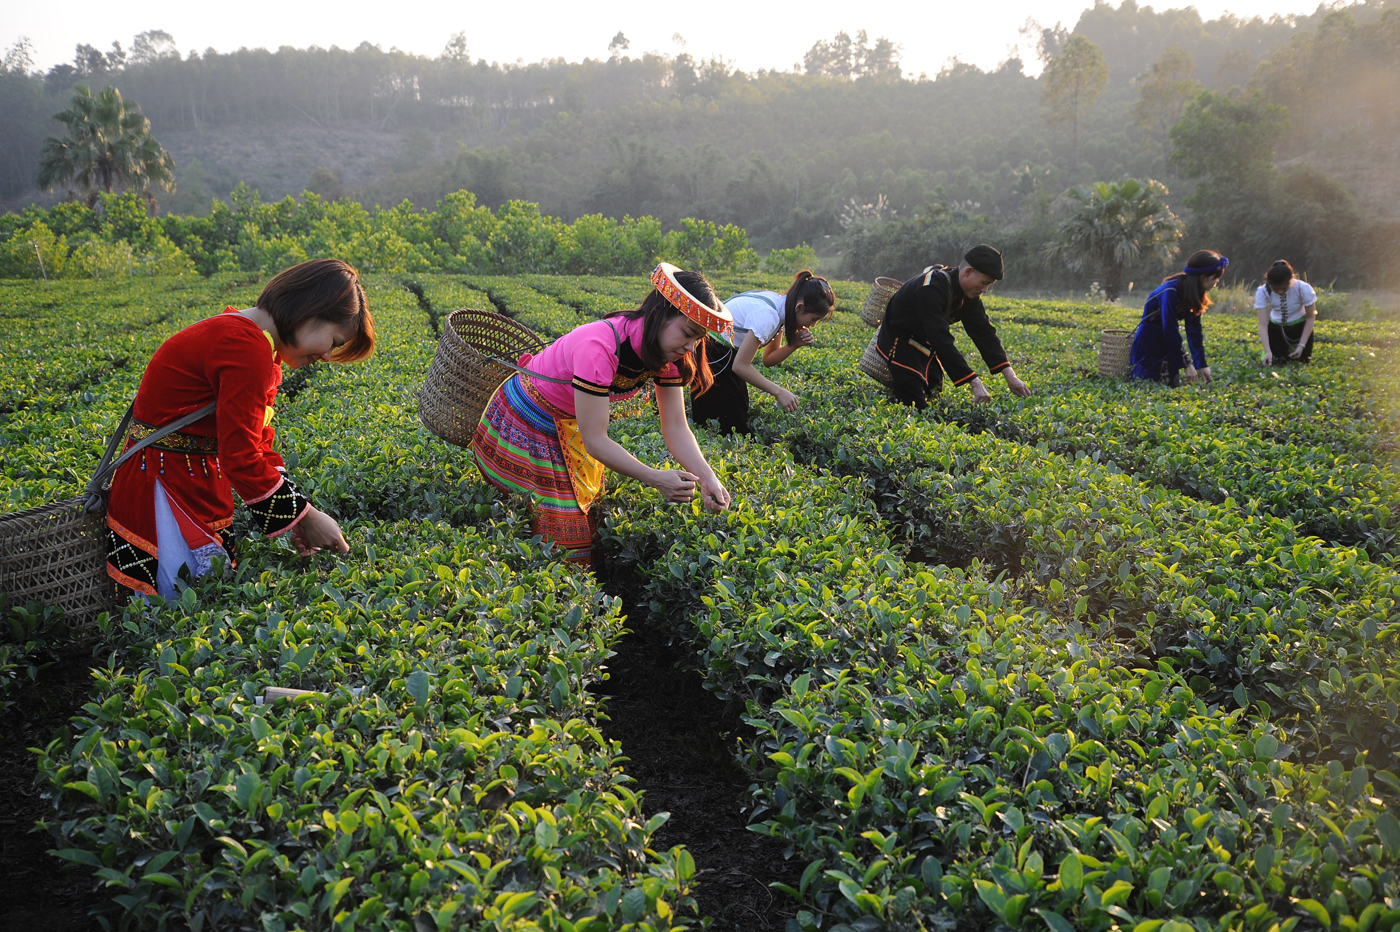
(760, 318)
(1287, 309)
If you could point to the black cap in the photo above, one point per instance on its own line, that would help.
(986, 260)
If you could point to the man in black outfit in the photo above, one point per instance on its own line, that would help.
(916, 340)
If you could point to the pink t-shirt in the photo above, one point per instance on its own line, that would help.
(601, 358)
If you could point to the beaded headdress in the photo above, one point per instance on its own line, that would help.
(717, 320)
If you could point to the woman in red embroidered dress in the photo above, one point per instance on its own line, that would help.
(171, 506)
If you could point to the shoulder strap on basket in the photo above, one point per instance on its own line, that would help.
(93, 497)
(617, 348)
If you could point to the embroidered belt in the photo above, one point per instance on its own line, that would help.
(178, 442)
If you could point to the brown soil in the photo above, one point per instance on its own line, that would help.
(38, 892)
(680, 741)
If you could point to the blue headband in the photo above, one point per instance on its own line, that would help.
(1218, 267)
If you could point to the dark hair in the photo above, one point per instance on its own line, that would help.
(1280, 274)
(814, 292)
(1190, 289)
(656, 312)
(321, 289)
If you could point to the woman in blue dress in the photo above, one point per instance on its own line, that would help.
(1180, 300)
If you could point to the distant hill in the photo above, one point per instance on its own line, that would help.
(792, 157)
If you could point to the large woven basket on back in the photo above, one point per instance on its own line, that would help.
(880, 293)
(874, 365)
(57, 555)
(464, 375)
(1115, 346)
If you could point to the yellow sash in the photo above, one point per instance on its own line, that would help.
(585, 472)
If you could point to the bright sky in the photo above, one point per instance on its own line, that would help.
(750, 35)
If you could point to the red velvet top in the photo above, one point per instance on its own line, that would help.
(226, 359)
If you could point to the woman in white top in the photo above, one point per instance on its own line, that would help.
(1287, 309)
(758, 318)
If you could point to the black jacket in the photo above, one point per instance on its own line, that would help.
(916, 329)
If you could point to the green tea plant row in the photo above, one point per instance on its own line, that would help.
(1315, 445)
(448, 775)
(933, 743)
(1241, 600)
(541, 313)
(1284, 404)
(589, 303)
(1092, 535)
(1270, 439)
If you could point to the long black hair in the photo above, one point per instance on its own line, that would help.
(1194, 296)
(1280, 274)
(814, 292)
(656, 312)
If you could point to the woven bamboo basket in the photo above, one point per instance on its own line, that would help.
(463, 376)
(1115, 346)
(880, 293)
(874, 365)
(57, 555)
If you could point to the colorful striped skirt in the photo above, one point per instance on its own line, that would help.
(517, 449)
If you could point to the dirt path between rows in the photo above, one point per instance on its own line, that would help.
(680, 741)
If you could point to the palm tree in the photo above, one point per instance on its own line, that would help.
(1115, 225)
(109, 144)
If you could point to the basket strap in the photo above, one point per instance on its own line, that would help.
(760, 296)
(617, 348)
(93, 499)
(523, 371)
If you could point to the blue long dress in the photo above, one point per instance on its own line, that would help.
(1157, 351)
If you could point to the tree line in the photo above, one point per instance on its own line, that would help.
(847, 154)
(118, 237)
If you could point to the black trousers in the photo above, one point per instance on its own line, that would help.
(910, 389)
(1284, 339)
(727, 400)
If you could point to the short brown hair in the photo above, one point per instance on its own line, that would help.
(321, 289)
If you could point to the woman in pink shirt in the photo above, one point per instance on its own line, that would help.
(545, 432)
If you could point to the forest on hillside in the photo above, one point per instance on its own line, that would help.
(847, 154)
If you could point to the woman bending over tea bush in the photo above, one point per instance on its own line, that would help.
(544, 434)
(1157, 352)
(1287, 309)
(758, 318)
(172, 504)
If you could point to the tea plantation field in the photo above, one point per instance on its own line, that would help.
(1111, 657)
